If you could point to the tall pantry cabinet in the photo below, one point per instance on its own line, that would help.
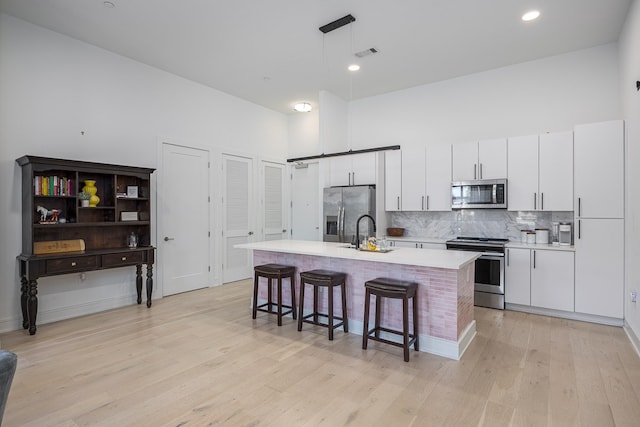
(599, 218)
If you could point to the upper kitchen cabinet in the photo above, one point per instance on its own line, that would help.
(392, 180)
(485, 159)
(354, 169)
(438, 174)
(540, 172)
(599, 170)
(418, 179)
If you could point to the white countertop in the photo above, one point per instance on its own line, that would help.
(435, 258)
(540, 246)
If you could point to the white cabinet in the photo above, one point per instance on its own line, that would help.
(540, 278)
(486, 159)
(517, 276)
(599, 218)
(392, 180)
(599, 170)
(552, 279)
(416, 245)
(555, 176)
(540, 172)
(354, 169)
(599, 247)
(438, 176)
(418, 178)
(413, 179)
(522, 177)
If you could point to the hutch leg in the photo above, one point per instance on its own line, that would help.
(24, 298)
(139, 282)
(32, 305)
(149, 283)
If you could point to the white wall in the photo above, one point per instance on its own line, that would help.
(629, 74)
(53, 87)
(551, 94)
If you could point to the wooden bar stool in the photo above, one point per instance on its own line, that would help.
(328, 279)
(396, 289)
(270, 272)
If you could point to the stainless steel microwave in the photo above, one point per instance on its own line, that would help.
(481, 194)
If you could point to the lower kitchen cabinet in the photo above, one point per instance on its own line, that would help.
(540, 278)
(416, 245)
(600, 267)
(552, 279)
(517, 276)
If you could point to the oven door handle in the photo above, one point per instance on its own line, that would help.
(492, 255)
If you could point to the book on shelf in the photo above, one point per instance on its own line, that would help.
(52, 186)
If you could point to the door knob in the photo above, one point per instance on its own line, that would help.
(251, 233)
(166, 239)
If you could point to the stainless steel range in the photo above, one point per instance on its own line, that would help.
(489, 276)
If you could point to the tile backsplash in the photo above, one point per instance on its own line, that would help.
(474, 222)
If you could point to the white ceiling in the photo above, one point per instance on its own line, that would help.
(271, 52)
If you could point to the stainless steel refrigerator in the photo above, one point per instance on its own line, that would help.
(342, 206)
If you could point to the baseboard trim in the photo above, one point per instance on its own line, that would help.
(635, 340)
(603, 320)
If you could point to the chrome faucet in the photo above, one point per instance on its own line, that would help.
(373, 221)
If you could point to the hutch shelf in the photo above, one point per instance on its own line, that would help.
(61, 236)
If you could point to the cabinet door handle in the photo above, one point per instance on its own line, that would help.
(541, 201)
(507, 257)
(579, 206)
(535, 199)
(579, 229)
(353, 175)
(480, 170)
(427, 202)
(124, 258)
(398, 202)
(73, 263)
(534, 259)
(475, 171)
(422, 203)
(166, 239)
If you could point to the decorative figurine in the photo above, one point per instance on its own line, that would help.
(48, 216)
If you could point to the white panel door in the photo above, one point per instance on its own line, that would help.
(517, 276)
(492, 159)
(599, 170)
(555, 181)
(392, 180)
(465, 161)
(183, 214)
(413, 179)
(238, 217)
(305, 203)
(552, 279)
(273, 201)
(600, 267)
(522, 174)
(438, 175)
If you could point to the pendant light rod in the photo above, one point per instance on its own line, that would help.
(344, 153)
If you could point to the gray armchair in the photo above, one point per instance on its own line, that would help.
(8, 362)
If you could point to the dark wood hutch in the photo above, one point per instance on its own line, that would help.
(52, 213)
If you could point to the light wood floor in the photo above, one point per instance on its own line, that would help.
(199, 359)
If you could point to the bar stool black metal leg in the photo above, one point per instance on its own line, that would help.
(330, 314)
(365, 321)
(301, 305)
(377, 318)
(279, 301)
(415, 323)
(405, 327)
(345, 318)
(255, 295)
(292, 280)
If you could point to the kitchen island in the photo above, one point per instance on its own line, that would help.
(446, 323)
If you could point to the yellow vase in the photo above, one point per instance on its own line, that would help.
(90, 188)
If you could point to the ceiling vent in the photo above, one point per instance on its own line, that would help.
(367, 52)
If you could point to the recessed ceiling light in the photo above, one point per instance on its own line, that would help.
(302, 107)
(109, 4)
(531, 15)
(354, 67)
